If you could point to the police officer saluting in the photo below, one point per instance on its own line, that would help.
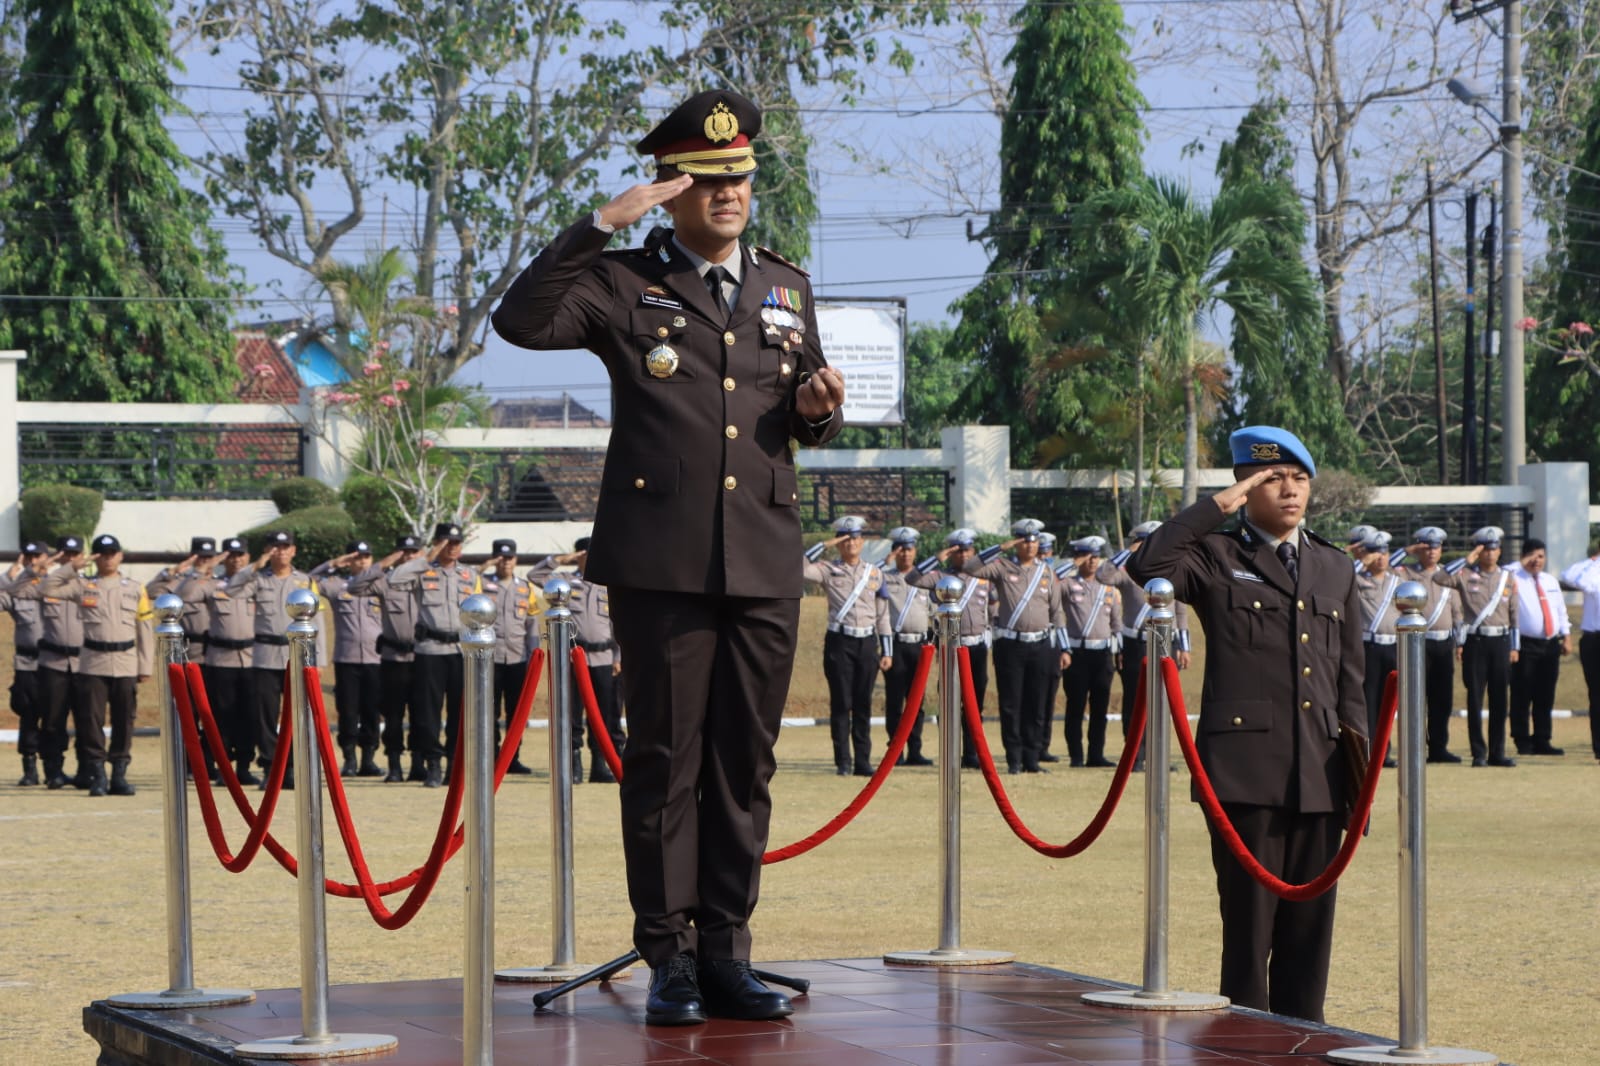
(396, 656)
(516, 635)
(977, 606)
(1093, 614)
(1030, 643)
(1489, 642)
(357, 624)
(229, 649)
(590, 604)
(266, 584)
(912, 627)
(1376, 583)
(1444, 617)
(1130, 659)
(1283, 679)
(25, 702)
(858, 643)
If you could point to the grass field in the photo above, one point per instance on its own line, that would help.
(1514, 869)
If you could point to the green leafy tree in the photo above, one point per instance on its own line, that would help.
(1071, 129)
(1172, 265)
(131, 282)
(934, 377)
(1293, 390)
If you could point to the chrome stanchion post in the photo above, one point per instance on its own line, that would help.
(180, 992)
(947, 627)
(477, 1008)
(559, 628)
(1155, 995)
(1411, 730)
(315, 1041)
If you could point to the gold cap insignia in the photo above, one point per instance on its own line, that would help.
(1264, 452)
(722, 125)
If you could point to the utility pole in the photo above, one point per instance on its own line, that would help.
(1469, 375)
(1440, 413)
(1490, 235)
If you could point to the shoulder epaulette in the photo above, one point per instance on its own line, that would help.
(776, 258)
(1319, 538)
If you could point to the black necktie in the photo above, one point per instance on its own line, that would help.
(1290, 560)
(715, 276)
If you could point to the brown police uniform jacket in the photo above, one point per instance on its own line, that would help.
(196, 618)
(1134, 611)
(590, 604)
(516, 624)
(977, 600)
(910, 608)
(1284, 664)
(1377, 595)
(699, 482)
(1476, 589)
(1092, 611)
(397, 637)
(60, 624)
(867, 611)
(231, 631)
(1443, 609)
(118, 635)
(27, 628)
(1011, 580)
(357, 617)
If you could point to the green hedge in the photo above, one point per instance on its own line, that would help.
(50, 512)
(301, 493)
(320, 533)
(378, 518)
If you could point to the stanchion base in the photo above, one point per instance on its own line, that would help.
(337, 1046)
(958, 957)
(1432, 1056)
(197, 997)
(552, 975)
(1136, 1000)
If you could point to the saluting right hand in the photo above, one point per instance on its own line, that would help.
(1232, 498)
(634, 204)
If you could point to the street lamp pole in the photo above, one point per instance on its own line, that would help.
(1514, 442)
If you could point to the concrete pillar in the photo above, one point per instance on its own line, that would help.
(327, 451)
(10, 463)
(979, 461)
(1560, 509)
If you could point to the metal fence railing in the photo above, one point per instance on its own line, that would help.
(153, 462)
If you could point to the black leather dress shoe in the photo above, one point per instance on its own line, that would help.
(1443, 756)
(918, 759)
(731, 990)
(1098, 760)
(674, 997)
(1544, 747)
(1501, 760)
(1479, 760)
(1047, 757)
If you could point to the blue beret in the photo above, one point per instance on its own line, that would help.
(1268, 446)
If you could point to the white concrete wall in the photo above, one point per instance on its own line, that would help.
(1560, 509)
(167, 525)
(10, 474)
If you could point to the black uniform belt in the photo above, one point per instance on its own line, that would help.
(404, 647)
(108, 645)
(59, 649)
(27, 651)
(229, 645)
(438, 636)
(277, 640)
(197, 638)
(597, 645)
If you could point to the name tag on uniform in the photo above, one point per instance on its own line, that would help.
(1245, 575)
(650, 299)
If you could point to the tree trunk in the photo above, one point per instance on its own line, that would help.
(1138, 439)
(1191, 438)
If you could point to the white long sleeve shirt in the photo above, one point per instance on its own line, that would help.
(1530, 616)
(1585, 574)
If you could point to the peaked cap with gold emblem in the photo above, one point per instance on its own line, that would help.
(1268, 446)
(708, 135)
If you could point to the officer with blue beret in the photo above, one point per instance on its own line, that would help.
(1283, 681)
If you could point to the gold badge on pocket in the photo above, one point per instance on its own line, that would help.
(661, 361)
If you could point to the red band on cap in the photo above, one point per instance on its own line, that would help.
(700, 144)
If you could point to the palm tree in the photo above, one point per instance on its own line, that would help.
(1168, 267)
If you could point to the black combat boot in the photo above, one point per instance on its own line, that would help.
(369, 763)
(120, 785)
(395, 775)
(349, 767)
(97, 781)
(241, 770)
(419, 769)
(30, 771)
(432, 777)
(83, 779)
(54, 778)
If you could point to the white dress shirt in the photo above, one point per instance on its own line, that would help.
(1585, 574)
(1530, 617)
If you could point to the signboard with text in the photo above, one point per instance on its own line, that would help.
(866, 340)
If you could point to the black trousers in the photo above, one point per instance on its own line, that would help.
(1381, 660)
(1087, 684)
(508, 681)
(607, 697)
(395, 681)
(437, 681)
(57, 694)
(29, 709)
(1439, 664)
(357, 695)
(1025, 676)
(1130, 672)
(978, 661)
(1533, 690)
(268, 686)
(93, 697)
(1486, 666)
(1275, 953)
(850, 665)
(705, 685)
(232, 694)
(1589, 658)
(896, 687)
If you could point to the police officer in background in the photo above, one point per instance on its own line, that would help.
(912, 627)
(858, 644)
(196, 618)
(1443, 615)
(397, 653)
(1355, 543)
(1029, 653)
(25, 702)
(1546, 635)
(1135, 611)
(1283, 679)
(1376, 583)
(590, 604)
(60, 644)
(1047, 553)
(229, 651)
(1093, 615)
(437, 583)
(357, 625)
(516, 635)
(976, 606)
(118, 653)
(1489, 643)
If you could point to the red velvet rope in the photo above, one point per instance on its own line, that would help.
(591, 710)
(366, 890)
(1230, 836)
(919, 684)
(991, 776)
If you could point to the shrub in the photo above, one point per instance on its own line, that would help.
(378, 518)
(319, 533)
(299, 493)
(50, 512)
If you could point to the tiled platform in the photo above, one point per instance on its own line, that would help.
(858, 1012)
